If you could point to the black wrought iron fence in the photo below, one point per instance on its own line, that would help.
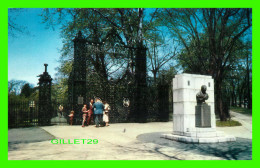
(157, 100)
(22, 113)
(120, 98)
(26, 113)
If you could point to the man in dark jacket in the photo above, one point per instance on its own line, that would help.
(98, 111)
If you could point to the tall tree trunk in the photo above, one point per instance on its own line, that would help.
(233, 94)
(154, 76)
(219, 99)
(240, 99)
(249, 98)
(241, 92)
(245, 100)
(140, 27)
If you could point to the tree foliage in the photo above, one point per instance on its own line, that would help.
(201, 41)
(210, 38)
(117, 31)
(22, 90)
(15, 86)
(14, 29)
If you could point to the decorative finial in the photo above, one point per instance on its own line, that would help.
(45, 67)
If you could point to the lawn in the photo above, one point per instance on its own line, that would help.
(228, 123)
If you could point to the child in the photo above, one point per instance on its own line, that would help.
(71, 117)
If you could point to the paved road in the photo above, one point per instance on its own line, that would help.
(122, 141)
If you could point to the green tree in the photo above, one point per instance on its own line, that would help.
(15, 86)
(160, 52)
(118, 31)
(100, 27)
(209, 38)
(26, 90)
(240, 76)
(14, 28)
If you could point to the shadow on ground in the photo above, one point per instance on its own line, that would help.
(27, 135)
(239, 150)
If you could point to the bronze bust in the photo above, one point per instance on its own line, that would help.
(202, 95)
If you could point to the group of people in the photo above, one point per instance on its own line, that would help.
(98, 110)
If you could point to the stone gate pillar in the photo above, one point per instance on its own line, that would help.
(139, 113)
(45, 112)
(77, 79)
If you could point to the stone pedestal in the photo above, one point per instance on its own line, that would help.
(202, 115)
(59, 119)
(193, 123)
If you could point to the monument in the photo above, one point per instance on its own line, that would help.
(194, 112)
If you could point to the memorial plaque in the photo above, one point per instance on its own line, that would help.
(202, 115)
(80, 100)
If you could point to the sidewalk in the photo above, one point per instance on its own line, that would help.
(245, 120)
(244, 131)
(123, 141)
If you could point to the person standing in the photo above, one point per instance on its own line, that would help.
(98, 111)
(90, 112)
(106, 112)
(85, 111)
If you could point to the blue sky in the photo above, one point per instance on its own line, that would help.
(28, 52)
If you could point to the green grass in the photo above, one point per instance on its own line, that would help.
(241, 110)
(231, 123)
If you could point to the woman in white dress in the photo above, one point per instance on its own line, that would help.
(105, 113)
